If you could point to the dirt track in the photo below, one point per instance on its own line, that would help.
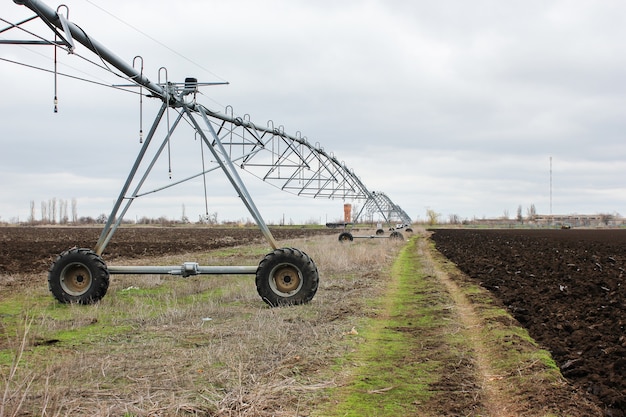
(564, 286)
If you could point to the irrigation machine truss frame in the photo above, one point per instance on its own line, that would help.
(285, 275)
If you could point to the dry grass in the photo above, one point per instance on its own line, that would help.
(160, 346)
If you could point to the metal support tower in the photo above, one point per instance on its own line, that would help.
(289, 162)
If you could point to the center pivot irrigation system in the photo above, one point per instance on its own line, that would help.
(285, 275)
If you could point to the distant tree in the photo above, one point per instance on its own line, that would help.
(208, 218)
(432, 217)
(44, 212)
(63, 218)
(74, 211)
(52, 203)
(454, 219)
(531, 213)
(31, 219)
(102, 219)
(505, 214)
(606, 218)
(184, 219)
(520, 218)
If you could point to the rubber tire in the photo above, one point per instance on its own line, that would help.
(73, 265)
(380, 232)
(409, 230)
(396, 235)
(283, 263)
(345, 237)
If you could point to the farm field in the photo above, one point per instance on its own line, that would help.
(567, 287)
(394, 329)
(33, 249)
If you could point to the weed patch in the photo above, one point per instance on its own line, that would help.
(383, 336)
(189, 346)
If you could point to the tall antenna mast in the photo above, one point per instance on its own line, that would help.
(550, 188)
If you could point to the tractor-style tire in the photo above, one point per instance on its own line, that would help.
(396, 235)
(287, 276)
(78, 275)
(346, 237)
(380, 232)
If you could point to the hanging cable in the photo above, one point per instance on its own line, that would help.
(61, 45)
(140, 99)
(56, 39)
(56, 98)
(167, 114)
(74, 77)
(206, 198)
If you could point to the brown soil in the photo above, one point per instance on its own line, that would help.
(564, 286)
(25, 251)
(33, 249)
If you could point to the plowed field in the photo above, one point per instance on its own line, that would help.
(566, 287)
(33, 249)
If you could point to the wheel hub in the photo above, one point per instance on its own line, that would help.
(75, 279)
(287, 279)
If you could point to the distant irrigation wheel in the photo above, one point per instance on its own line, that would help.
(287, 276)
(380, 232)
(346, 237)
(78, 275)
(396, 236)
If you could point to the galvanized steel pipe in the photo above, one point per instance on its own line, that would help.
(186, 269)
(51, 16)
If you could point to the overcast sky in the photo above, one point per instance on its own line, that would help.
(454, 106)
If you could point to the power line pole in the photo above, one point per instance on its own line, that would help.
(550, 188)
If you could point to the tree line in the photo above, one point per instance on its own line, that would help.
(65, 212)
(55, 211)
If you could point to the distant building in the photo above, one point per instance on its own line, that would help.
(580, 220)
(564, 221)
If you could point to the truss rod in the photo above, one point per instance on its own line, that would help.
(231, 173)
(114, 221)
(52, 17)
(291, 170)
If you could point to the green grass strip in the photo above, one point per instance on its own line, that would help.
(396, 376)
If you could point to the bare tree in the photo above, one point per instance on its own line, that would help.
(44, 212)
(184, 219)
(531, 212)
(606, 218)
(31, 219)
(432, 216)
(63, 218)
(74, 211)
(53, 210)
(208, 218)
(520, 218)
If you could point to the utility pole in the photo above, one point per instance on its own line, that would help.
(550, 189)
